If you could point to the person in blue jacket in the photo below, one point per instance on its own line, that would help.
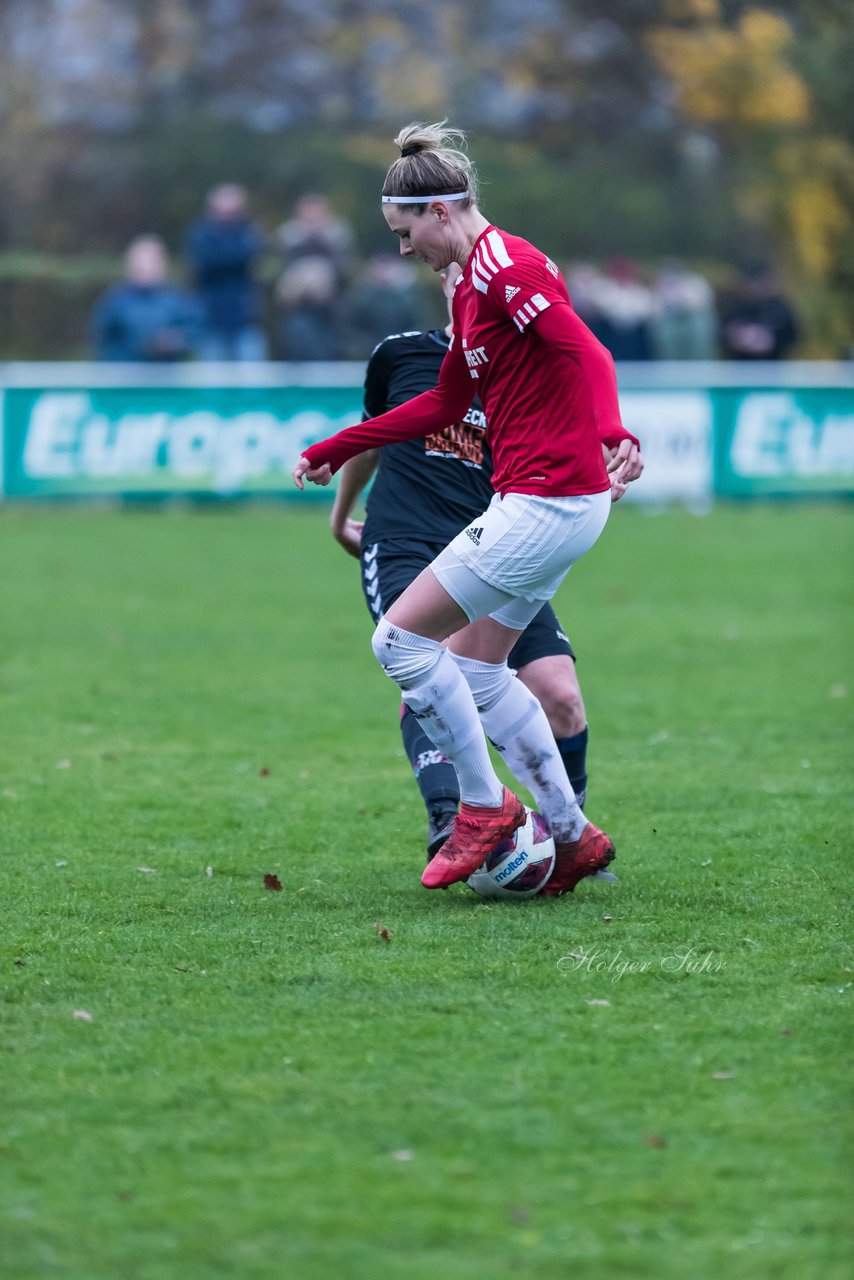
(222, 248)
(145, 317)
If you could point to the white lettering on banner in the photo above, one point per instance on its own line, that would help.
(774, 437)
(121, 446)
(255, 449)
(68, 438)
(193, 444)
(675, 431)
(52, 436)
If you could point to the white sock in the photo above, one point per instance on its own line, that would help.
(445, 708)
(519, 730)
(437, 693)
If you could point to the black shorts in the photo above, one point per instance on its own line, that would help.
(389, 567)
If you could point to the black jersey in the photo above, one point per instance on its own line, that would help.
(430, 488)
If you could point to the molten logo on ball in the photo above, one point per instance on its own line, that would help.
(519, 866)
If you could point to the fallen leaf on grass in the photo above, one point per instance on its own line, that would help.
(381, 932)
(602, 1002)
(273, 883)
(655, 1140)
(83, 1015)
(264, 773)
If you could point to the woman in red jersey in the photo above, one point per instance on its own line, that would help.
(549, 391)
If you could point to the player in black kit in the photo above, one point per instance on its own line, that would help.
(424, 492)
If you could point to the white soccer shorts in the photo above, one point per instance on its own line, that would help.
(513, 558)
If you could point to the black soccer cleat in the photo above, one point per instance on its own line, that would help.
(441, 826)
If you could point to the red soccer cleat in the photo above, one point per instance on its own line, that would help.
(576, 859)
(476, 831)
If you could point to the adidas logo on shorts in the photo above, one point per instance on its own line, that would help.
(475, 535)
(510, 292)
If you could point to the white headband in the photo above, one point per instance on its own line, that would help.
(455, 195)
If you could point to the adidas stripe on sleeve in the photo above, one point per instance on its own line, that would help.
(526, 281)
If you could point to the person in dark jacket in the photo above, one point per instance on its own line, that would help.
(145, 317)
(757, 322)
(222, 248)
(310, 328)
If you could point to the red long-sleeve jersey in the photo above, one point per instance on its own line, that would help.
(547, 385)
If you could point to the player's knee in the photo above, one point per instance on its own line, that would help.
(488, 681)
(406, 658)
(564, 709)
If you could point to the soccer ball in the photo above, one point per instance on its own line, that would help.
(519, 866)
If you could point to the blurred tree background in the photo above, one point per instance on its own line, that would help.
(708, 130)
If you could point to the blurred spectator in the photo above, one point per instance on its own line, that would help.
(145, 317)
(384, 300)
(222, 248)
(757, 322)
(310, 328)
(684, 323)
(315, 232)
(583, 282)
(625, 307)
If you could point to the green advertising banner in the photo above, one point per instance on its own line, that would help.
(706, 430)
(164, 440)
(784, 441)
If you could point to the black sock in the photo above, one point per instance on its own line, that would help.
(573, 753)
(434, 773)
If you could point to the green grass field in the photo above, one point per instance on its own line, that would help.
(636, 1081)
